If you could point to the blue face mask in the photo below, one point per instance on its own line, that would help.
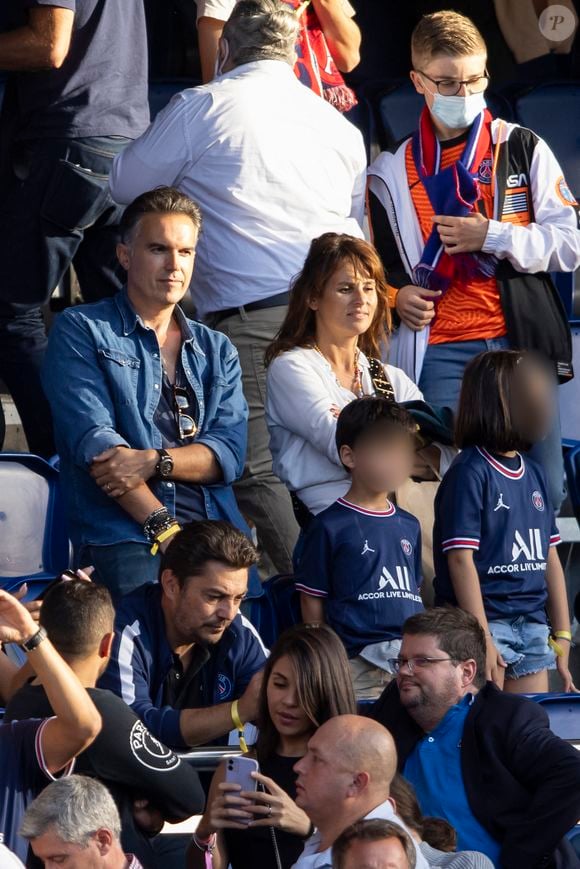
(457, 113)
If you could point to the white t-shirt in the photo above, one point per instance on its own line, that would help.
(302, 399)
(222, 9)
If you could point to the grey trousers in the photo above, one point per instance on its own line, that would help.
(261, 496)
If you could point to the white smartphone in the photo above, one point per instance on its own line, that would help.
(239, 771)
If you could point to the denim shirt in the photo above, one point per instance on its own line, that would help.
(102, 376)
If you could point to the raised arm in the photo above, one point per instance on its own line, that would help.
(76, 722)
(43, 42)
(341, 32)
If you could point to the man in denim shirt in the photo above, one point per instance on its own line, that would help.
(149, 414)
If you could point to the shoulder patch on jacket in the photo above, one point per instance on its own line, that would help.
(564, 193)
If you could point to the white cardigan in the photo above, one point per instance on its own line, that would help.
(302, 391)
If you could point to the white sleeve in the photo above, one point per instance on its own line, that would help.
(219, 9)
(159, 156)
(405, 389)
(552, 242)
(298, 401)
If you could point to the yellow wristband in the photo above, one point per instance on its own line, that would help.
(563, 635)
(558, 650)
(238, 724)
(165, 535)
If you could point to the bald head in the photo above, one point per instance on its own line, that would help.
(347, 770)
(364, 745)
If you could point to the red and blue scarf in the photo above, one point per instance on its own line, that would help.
(454, 192)
(315, 66)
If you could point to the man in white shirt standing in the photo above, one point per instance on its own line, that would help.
(345, 777)
(272, 166)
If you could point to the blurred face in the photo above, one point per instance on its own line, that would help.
(381, 463)
(201, 611)
(283, 705)
(323, 781)
(159, 260)
(534, 405)
(55, 853)
(434, 688)
(347, 305)
(449, 69)
(382, 854)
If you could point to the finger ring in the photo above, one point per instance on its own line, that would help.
(269, 815)
(108, 487)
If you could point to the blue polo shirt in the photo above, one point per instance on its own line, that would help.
(366, 565)
(499, 508)
(434, 770)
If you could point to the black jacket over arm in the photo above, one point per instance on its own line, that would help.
(522, 782)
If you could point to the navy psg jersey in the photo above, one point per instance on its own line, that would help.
(498, 508)
(367, 567)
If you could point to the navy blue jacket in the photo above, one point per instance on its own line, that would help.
(522, 782)
(142, 659)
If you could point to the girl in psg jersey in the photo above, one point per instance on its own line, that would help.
(495, 534)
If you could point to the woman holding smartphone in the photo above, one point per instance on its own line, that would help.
(306, 682)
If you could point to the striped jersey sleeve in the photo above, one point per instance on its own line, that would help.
(459, 509)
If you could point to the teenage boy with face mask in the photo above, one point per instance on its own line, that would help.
(469, 214)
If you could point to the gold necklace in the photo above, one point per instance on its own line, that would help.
(357, 387)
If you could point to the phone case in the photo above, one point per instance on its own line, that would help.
(239, 770)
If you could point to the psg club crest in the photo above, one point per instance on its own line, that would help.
(485, 171)
(406, 547)
(538, 501)
(224, 687)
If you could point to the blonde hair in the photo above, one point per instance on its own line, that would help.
(445, 32)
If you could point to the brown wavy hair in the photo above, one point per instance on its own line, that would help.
(327, 253)
(323, 680)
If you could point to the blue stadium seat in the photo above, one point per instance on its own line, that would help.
(161, 92)
(277, 609)
(572, 466)
(34, 544)
(362, 117)
(552, 111)
(564, 713)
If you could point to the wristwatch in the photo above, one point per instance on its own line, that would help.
(35, 640)
(164, 467)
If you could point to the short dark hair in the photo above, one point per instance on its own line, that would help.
(76, 615)
(362, 415)
(458, 633)
(208, 540)
(490, 393)
(372, 830)
(161, 200)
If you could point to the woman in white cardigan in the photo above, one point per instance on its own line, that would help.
(337, 322)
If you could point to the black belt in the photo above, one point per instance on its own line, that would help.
(261, 304)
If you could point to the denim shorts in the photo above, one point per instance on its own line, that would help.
(523, 644)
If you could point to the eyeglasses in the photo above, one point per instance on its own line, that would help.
(186, 424)
(450, 87)
(419, 663)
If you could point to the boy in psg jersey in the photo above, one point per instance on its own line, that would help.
(495, 535)
(360, 569)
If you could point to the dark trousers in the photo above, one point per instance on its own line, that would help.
(55, 209)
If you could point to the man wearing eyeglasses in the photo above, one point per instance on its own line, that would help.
(484, 760)
(150, 417)
(469, 215)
